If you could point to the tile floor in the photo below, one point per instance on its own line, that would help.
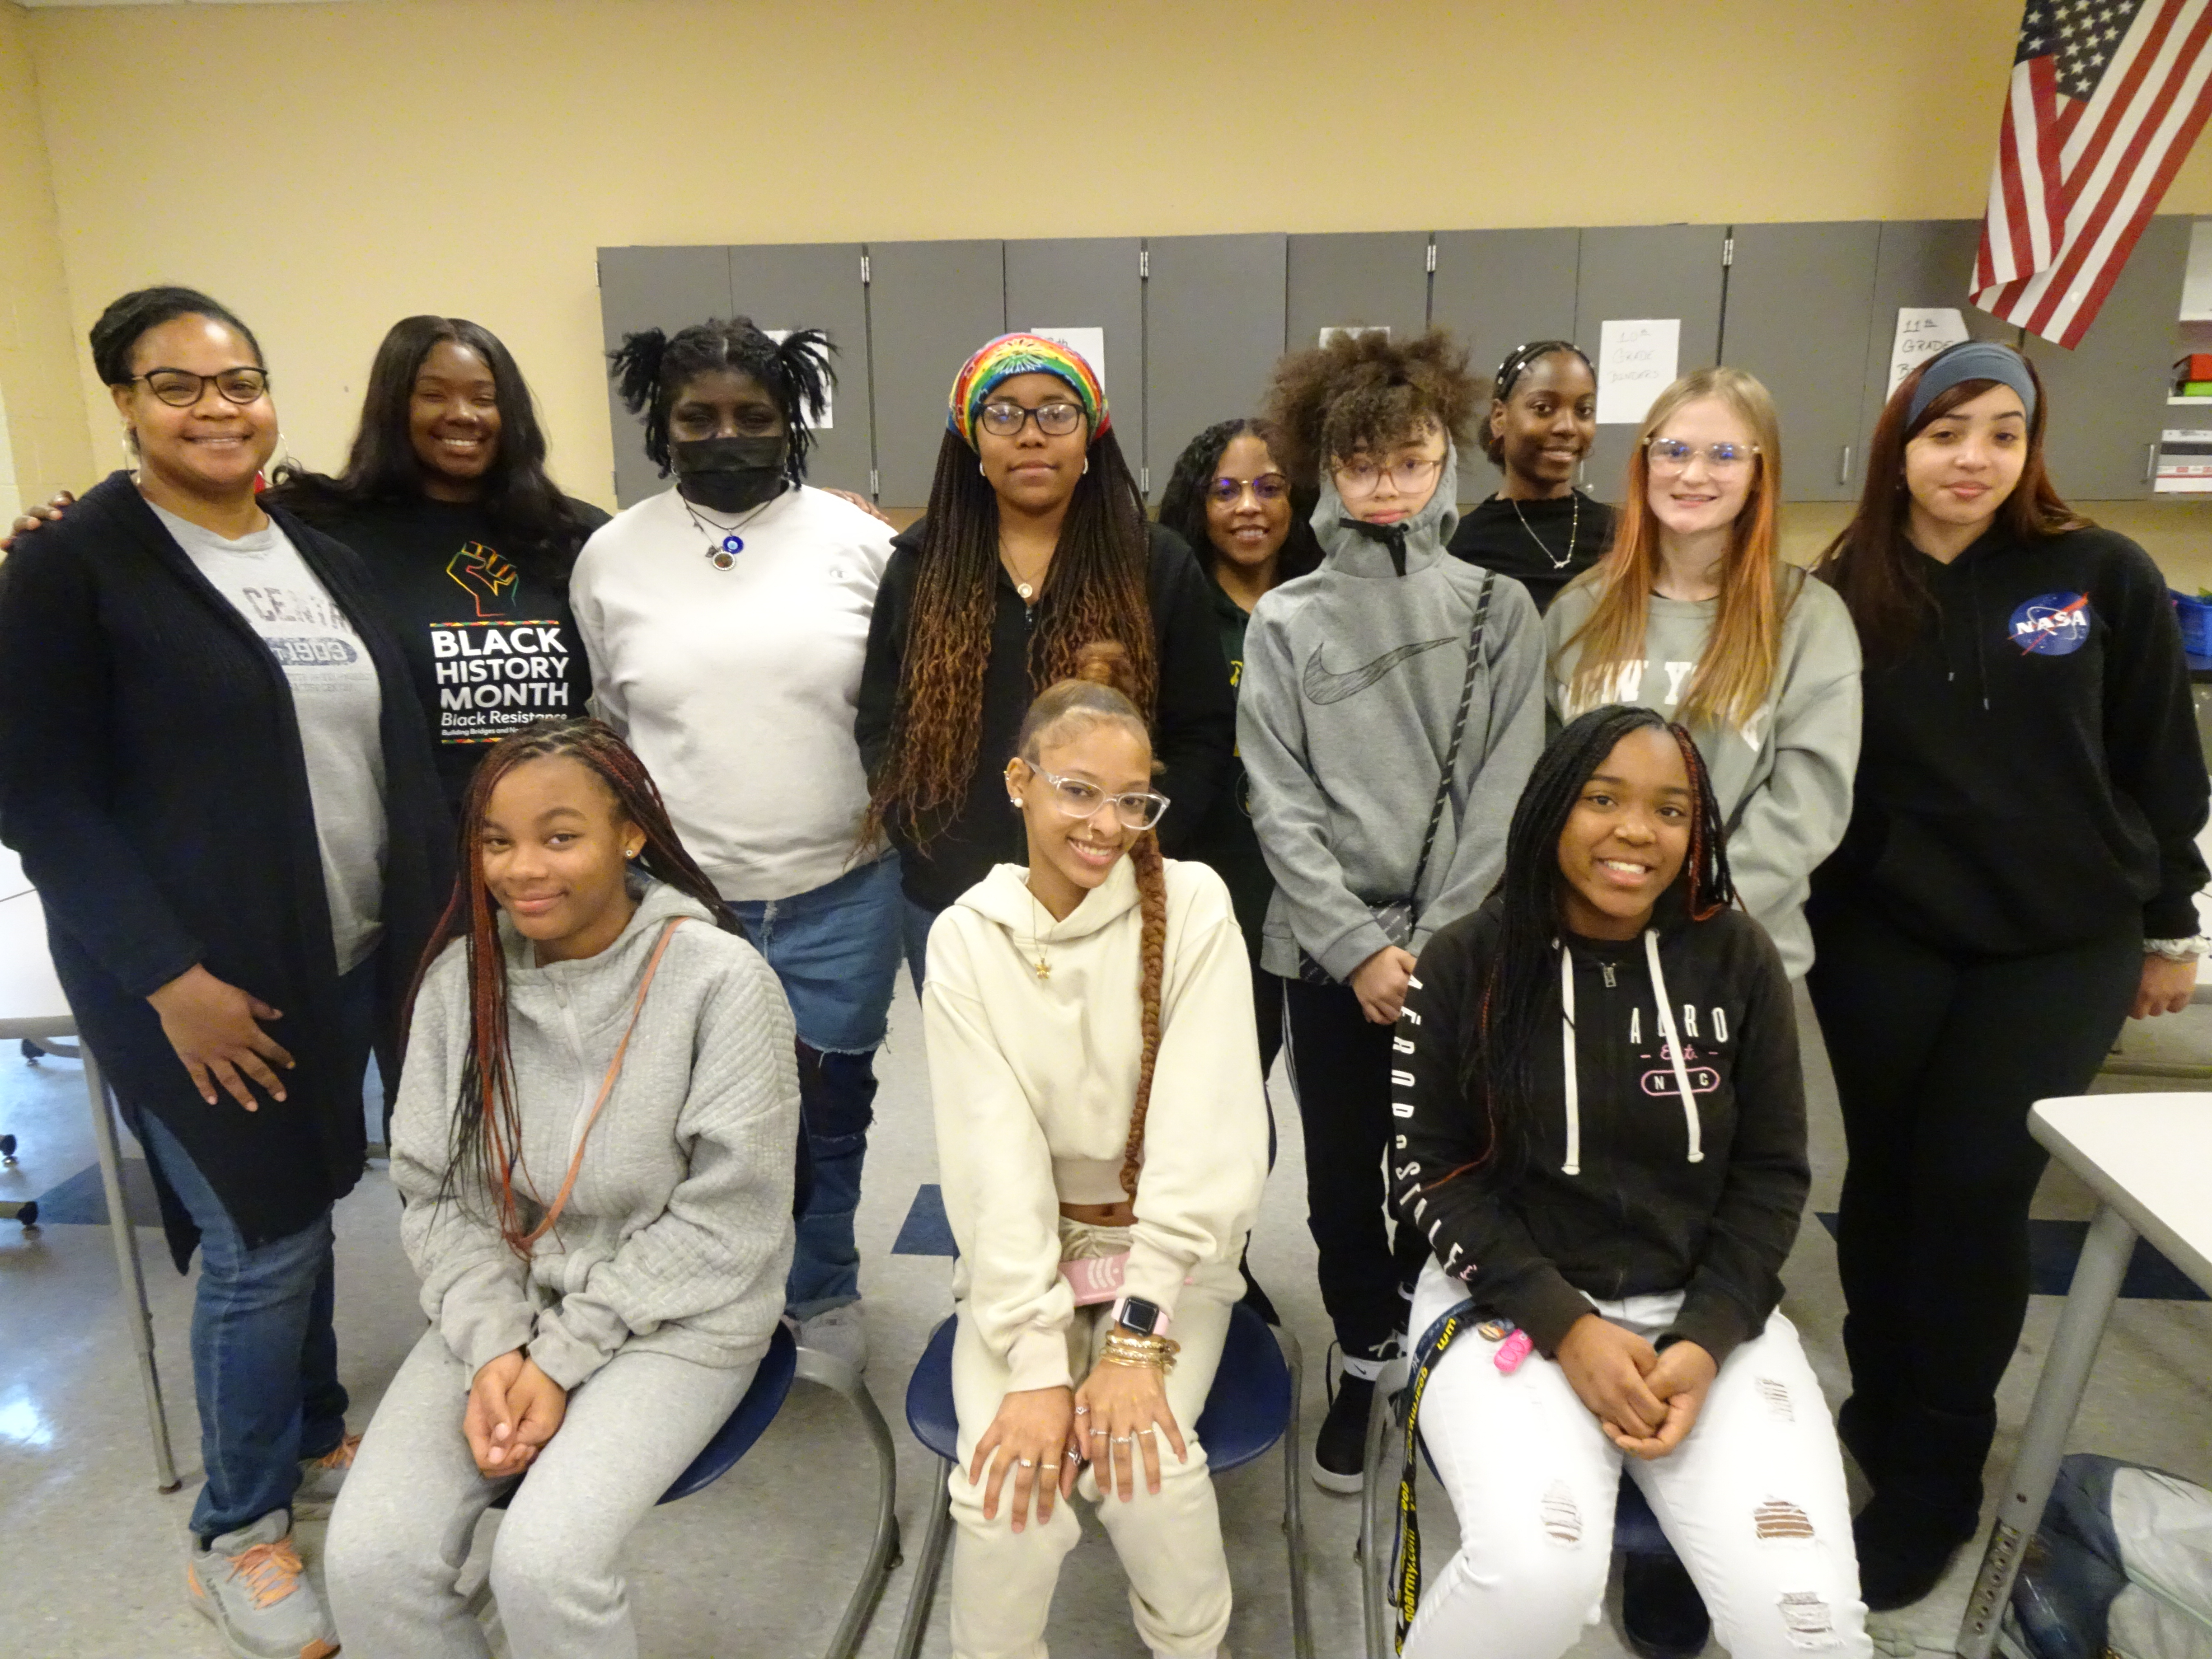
(755, 1567)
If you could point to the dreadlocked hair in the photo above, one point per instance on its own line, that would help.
(1094, 589)
(1365, 392)
(1103, 689)
(484, 1141)
(1183, 503)
(1498, 1071)
(651, 370)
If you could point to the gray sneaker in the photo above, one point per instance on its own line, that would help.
(251, 1586)
(842, 1332)
(320, 1478)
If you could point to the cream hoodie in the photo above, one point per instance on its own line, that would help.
(1034, 1081)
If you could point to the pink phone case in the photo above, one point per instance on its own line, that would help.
(1512, 1351)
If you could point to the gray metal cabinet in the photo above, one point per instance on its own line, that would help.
(1629, 271)
(1373, 279)
(1800, 303)
(791, 285)
(1497, 290)
(1213, 328)
(1920, 263)
(930, 305)
(2107, 396)
(664, 287)
(1089, 281)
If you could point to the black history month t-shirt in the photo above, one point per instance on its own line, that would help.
(489, 639)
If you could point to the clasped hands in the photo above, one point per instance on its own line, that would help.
(514, 1409)
(1646, 1400)
(1118, 1416)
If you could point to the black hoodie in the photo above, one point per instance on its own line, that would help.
(1615, 1197)
(2030, 775)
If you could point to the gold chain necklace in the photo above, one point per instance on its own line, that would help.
(1040, 966)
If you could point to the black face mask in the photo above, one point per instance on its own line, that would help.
(730, 475)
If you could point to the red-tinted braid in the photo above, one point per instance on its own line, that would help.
(1702, 906)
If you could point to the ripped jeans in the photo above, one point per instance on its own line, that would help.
(1753, 1500)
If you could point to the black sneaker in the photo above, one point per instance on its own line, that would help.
(1662, 1613)
(1340, 1453)
(1905, 1547)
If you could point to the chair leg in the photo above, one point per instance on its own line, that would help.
(1377, 1550)
(926, 1567)
(1294, 1514)
(825, 1371)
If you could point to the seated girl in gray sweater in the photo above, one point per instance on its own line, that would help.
(594, 1143)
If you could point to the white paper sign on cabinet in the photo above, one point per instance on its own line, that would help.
(1636, 361)
(1921, 331)
(824, 422)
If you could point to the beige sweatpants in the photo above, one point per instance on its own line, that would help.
(1169, 1545)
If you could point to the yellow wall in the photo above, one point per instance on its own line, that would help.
(389, 156)
(42, 424)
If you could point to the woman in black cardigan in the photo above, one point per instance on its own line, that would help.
(214, 766)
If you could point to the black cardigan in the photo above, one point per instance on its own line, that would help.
(1194, 726)
(151, 777)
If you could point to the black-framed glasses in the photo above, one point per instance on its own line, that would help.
(180, 388)
(1672, 455)
(1053, 420)
(1268, 487)
(1140, 808)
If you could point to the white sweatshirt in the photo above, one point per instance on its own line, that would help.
(1034, 1080)
(738, 688)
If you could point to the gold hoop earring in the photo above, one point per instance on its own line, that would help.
(980, 472)
(1086, 463)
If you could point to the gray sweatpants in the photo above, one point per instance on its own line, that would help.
(408, 1512)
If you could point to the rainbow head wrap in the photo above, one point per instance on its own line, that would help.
(1022, 354)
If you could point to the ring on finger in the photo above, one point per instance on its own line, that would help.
(1026, 1462)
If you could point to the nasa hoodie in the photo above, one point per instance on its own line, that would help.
(2029, 775)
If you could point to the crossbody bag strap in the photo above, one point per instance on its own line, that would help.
(1427, 1354)
(607, 1085)
(1458, 737)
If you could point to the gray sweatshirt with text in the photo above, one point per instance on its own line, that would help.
(1351, 680)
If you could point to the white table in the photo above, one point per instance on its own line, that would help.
(32, 1005)
(2145, 1157)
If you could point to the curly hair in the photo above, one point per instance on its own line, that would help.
(1103, 688)
(1366, 392)
(1094, 589)
(1182, 503)
(652, 369)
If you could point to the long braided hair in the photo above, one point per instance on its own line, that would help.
(1498, 1069)
(484, 1141)
(1094, 589)
(1102, 688)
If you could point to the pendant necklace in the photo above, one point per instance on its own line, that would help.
(1027, 589)
(1574, 527)
(723, 541)
(1039, 967)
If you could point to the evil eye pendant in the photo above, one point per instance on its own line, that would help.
(733, 543)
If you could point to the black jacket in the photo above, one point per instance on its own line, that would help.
(1524, 540)
(1195, 727)
(152, 779)
(1225, 839)
(2030, 776)
(1638, 1217)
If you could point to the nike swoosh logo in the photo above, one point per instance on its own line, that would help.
(1322, 686)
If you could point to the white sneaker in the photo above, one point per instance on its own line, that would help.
(842, 1332)
(321, 1479)
(250, 1585)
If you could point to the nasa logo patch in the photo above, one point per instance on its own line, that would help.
(2051, 625)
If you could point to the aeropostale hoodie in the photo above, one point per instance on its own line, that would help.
(677, 1235)
(1784, 778)
(1034, 1078)
(1353, 676)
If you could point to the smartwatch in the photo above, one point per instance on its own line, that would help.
(1145, 1318)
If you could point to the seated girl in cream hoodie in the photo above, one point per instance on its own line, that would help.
(597, 1176)
(1102, 1136)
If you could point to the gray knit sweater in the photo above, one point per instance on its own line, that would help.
(677, 1236)
(1351, 680)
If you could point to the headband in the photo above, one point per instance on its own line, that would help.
(1972, 360)
(1022, 354)
(1518, 361)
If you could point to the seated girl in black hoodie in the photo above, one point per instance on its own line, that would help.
(1609, 1200)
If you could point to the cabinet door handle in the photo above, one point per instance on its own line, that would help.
(1843, 470)
(2150, 464)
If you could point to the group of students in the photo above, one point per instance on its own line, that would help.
(308, 771)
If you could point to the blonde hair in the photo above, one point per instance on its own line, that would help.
(1735, 671)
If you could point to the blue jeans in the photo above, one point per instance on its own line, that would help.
(265, 1353)
(836, 950)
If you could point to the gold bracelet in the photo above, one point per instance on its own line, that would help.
(1126, 1348)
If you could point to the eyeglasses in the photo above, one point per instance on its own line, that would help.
(1364, 478)
(1053, 420)
(1138, 810)
(1268, 487)
(1672, 455)
(180, 388)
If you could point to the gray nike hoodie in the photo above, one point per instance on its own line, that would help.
(1352, 681)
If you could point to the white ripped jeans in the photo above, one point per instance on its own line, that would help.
(1753, 1499)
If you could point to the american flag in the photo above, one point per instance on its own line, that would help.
(2107, 96)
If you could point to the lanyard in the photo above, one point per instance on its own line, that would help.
(1427, 1354)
